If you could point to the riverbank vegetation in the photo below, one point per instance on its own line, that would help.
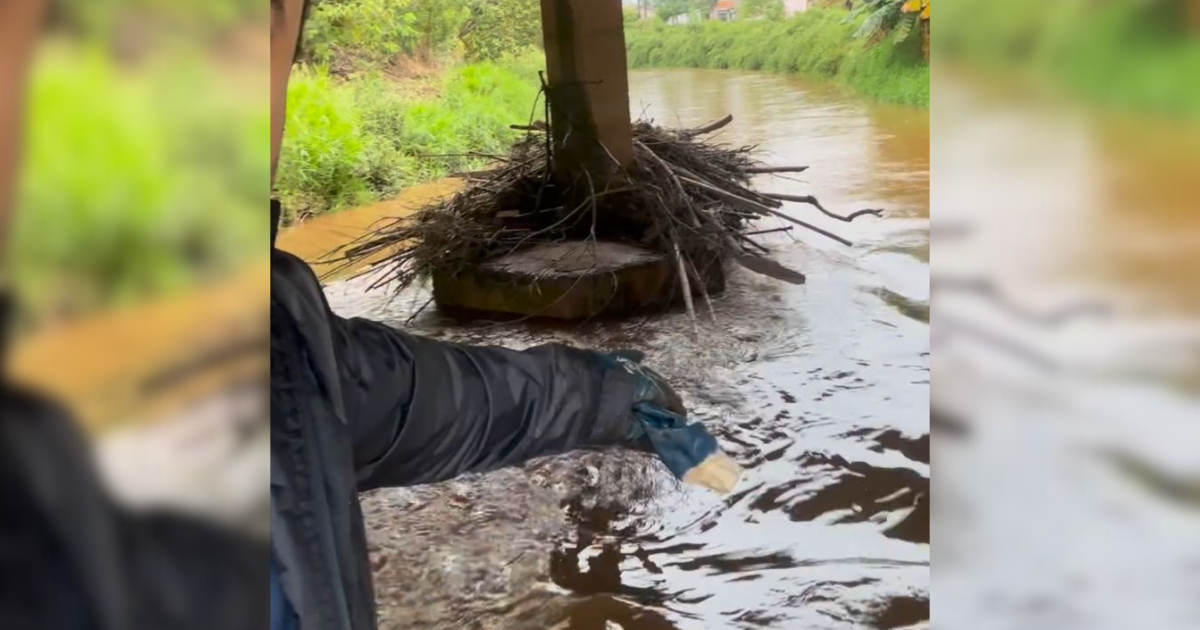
(396, 92)
(820, 43)
(352, 142)
(369, 34)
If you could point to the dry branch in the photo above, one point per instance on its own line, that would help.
(757, 170)
(812, 201)
(711, 127)
(768, 267)
(687, 286)
(812, 227)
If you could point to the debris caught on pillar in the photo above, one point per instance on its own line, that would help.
(685, 197)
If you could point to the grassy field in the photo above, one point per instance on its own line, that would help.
(353, 142)
(817, 44)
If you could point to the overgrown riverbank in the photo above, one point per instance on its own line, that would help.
(818, 44)
(353, 142)
(361, 127)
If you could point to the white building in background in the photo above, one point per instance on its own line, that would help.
(792, 7)
(724, 10)
(727, 10)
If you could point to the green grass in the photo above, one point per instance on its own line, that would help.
(349, 143)
(135, 183)
(816, 44)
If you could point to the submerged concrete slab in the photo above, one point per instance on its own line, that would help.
(571, 280)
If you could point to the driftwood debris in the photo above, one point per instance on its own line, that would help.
(686, 197)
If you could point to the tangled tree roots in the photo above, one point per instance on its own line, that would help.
(687, 198)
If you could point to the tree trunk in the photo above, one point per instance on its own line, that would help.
(925, 39)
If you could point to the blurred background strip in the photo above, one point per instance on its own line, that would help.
(138, 246)
(140, 226)
(1066, 148)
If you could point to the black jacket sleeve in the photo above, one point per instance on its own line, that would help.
(422, 410)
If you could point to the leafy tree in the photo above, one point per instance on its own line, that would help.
(496, 28)
(643, 8)
(768, 9)
(373, 29)
(912, 12)
(889, 16)
(437, 23)
(667, 9)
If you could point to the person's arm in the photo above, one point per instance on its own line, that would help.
(420, 410)
(423, 410)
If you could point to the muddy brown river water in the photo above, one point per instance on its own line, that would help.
(820, 391)
(1068, 480)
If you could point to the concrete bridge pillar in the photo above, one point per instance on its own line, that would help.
(588, 86)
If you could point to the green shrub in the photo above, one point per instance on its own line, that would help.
(479, 103)
(818, 43)
(765, 9)
(323, 158)
(349, 143)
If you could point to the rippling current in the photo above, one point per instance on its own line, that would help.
(820, 391)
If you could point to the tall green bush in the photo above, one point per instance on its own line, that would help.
(324, 159)
(694, 9)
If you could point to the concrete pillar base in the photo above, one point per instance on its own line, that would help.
(572, 280)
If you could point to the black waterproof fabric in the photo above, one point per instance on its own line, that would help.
(357, 405)
(40, 585)
(121, 570)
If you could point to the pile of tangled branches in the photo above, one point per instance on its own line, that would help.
(684, 197)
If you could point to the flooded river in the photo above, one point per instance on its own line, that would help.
(819, 391)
